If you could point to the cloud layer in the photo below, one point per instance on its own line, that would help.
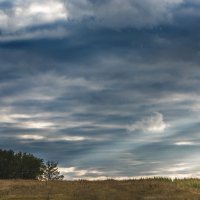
(18, 16)
(107, 92)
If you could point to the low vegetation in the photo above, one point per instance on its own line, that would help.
(158, 188)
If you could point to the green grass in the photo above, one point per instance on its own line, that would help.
(157, 188)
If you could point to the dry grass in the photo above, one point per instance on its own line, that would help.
(159, 188)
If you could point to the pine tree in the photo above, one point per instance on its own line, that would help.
(50, 171)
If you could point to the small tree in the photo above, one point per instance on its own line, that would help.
(50, 171)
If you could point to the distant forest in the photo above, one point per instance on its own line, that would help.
(26, 166)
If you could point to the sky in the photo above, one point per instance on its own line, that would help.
(109, 89)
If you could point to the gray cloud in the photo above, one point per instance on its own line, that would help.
(131, 13)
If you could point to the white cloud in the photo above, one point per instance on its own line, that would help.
(36, 125)
(178, 168)
(154, 123)
(78, 173)
(25, 13)
(8, 116)
(68, 138)
(184, 143)
(4, 18)
(120, 178)
(52, 138)
(31, 137)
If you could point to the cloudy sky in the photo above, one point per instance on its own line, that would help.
(106, 88)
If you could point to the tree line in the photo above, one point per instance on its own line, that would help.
(26, 166)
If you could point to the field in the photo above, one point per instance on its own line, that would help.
(158, 188)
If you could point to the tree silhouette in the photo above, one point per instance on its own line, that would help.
(27, 166)
(50, 171)
(19, 165)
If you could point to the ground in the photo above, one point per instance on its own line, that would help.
(159, 188)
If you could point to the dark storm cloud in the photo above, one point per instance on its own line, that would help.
(101, 96)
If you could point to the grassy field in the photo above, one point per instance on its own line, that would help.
(158, 188)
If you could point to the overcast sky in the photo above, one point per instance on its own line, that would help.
(106, 88)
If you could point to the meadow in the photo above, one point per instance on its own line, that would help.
(157, 188)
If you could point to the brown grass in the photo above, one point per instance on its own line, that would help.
(147, 189)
